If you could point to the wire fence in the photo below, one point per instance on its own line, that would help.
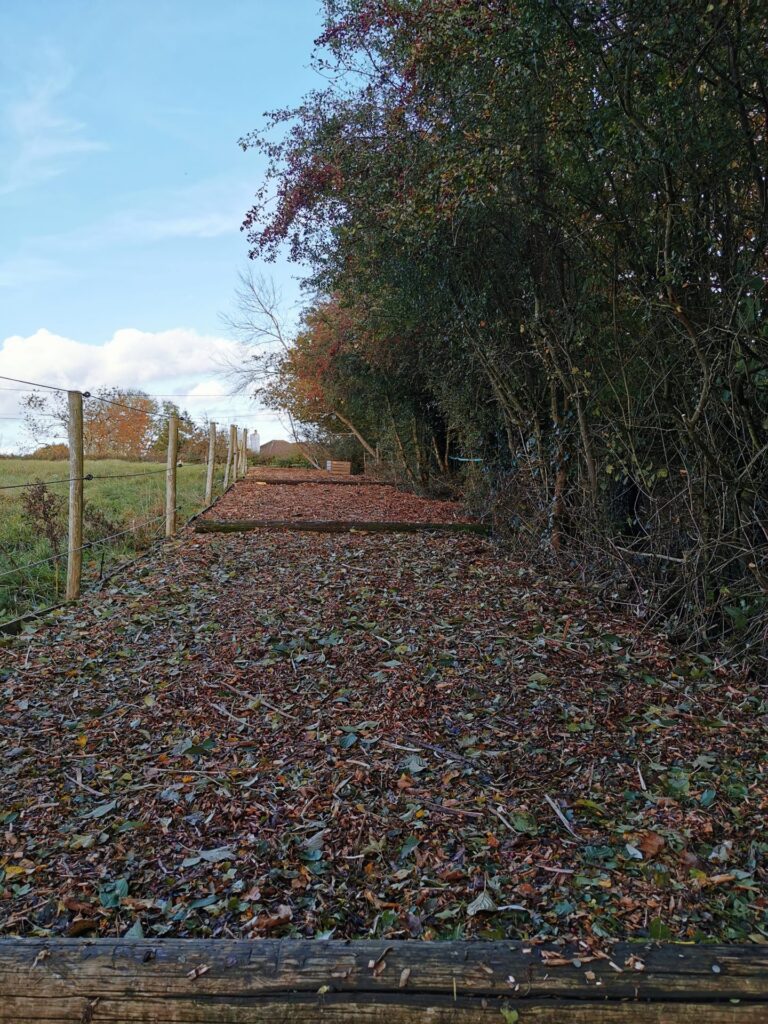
(112, 503)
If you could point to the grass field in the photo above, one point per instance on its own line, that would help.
(124, 502)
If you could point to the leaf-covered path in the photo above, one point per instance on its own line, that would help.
(274, 495)
(405, 735)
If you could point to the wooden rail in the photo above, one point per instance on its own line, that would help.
(178, 981)
(333, 526)
(326, 481)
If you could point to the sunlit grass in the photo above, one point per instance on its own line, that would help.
(136, 503)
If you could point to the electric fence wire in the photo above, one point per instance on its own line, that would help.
(32, 383)
(121, 405)
(91, 476)
(83, 547)
(99, 398)
(34, 483)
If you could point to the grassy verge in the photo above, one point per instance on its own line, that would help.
(124, 502)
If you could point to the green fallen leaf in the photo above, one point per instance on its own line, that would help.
(658, 930)
(101, 810)
(111, 894)
(408, 847)
(525, 822)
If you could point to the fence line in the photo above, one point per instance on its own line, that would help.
(88, 394)
(31, 565)
(235, 468)
(89, 476)
(124, 476)
(34, 483)
(33, 384)
(87, 545)
(120, 405)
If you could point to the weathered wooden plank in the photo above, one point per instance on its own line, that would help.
(369, 1008)
(326, 481)
(334, 526)
(261, 968)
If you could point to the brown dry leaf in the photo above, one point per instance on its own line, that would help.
(82, 925)
(283, 914)
(651, 843)
(42, 955)
(379, 964)
(198, 971)
(553, 959)
(78, 906)
(450, 874)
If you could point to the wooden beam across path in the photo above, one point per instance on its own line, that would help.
(335, 481)
(334, 526)
(202, 981)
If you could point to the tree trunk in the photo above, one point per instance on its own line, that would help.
(356, 432)
(400, 448)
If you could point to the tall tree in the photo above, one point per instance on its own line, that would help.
(117, 423)
(560, 212)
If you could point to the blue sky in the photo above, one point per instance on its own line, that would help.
(122, 186)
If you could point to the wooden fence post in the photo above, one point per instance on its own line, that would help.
(170, 476)
(232, 453)
(245, 451)
(211, 463)
(76, 474)
(238, 453)
(228, 462)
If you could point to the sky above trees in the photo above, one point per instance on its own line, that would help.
(122, 186)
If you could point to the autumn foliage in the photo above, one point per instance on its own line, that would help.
(117, 424)
(536, 234)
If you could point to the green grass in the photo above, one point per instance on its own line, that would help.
(117, 504)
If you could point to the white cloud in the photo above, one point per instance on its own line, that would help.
(179, 364)
(38, 139)
(130, 358)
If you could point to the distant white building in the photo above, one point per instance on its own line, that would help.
(253, 442)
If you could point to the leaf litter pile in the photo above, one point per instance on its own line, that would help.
(278, 474)
(256, 499)
(372, 735)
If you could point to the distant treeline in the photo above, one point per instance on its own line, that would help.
(118, 424)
